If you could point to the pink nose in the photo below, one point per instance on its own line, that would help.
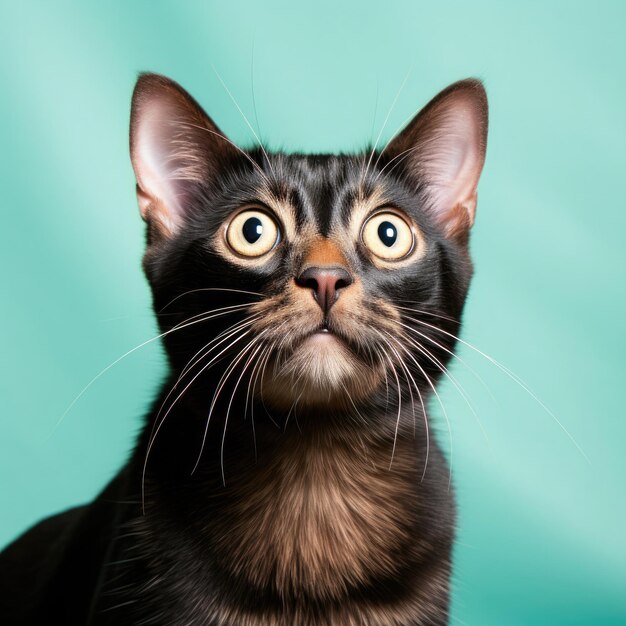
(325, 282)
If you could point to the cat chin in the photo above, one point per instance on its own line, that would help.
(318, 373)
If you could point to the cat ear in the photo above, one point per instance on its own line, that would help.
(443, 150)
(175, 149)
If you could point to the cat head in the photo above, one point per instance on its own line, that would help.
(317, 280)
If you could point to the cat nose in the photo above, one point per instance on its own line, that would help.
(325, 282)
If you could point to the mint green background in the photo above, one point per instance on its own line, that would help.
(541, 531)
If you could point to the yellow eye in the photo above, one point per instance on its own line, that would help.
(388, 236)
(252, 233)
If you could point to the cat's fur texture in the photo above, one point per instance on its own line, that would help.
(316, 493)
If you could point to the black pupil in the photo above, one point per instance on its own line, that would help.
(387, 233)
(252, 229)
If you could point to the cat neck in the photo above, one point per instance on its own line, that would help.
(319, 505)
(325, 513)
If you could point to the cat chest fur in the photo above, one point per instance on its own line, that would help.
(319, 518)
(313, 535)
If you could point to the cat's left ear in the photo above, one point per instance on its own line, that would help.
(176, 151)
(443, 151)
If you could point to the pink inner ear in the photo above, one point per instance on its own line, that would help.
(451, 159)
(155, 163)
(175, 150)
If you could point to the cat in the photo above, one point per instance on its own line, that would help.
(287, 473)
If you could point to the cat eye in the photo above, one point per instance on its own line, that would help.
(388, 236)
(252, 233)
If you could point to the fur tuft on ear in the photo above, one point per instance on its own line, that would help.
(175, 150)
(443, 150)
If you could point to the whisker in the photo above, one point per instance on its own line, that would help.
(513, 377)
(291, 408)
(269, 163)
(224, 336)
(232, 397)
(443, 409)
(409, 379)
(395, 437)
(220, 386)
(179, 326)
(447, 350)
(391, 108)
(204, 367)
(160, 424)
(243, 152)
(393, 136)
(399, 159)
(375, 112)
(380, 360)
(256, 116)
(251, 293)
(267, 358)
(428, 312)
(248, 321)
(446, 372)
(424, 413)
(402, 156)
(250, 396)
(452, 354)
(356, 410)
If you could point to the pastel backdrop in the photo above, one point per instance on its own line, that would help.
(541, 529)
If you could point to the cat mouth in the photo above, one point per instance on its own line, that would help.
(331, 341)
(323, 330)
(320, 365)
(323, 335)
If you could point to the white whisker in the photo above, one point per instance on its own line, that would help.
(162, 421)
(269, 163)
(446, 372)
(421, 399)
(220, 386)
(391, 108)
(251, 293)
(443, 408)
(243, 152)
(232, 397)
(511, 375)
(179, 326)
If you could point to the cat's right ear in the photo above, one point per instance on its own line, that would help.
(442, 150)
(176, 151)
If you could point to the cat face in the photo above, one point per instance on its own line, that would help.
(306, 275)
